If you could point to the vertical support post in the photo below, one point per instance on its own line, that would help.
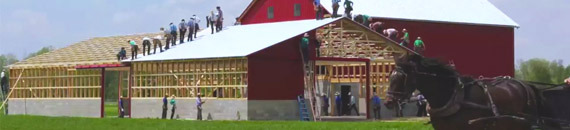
(130, 89)
(120, 93)
(102, 92)
(367, 89)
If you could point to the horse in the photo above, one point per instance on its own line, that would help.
(463, 103)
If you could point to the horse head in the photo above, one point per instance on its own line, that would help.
(402, 81)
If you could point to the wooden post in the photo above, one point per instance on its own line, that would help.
(102, 92)
(367, 89)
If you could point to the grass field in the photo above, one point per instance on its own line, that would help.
(111, 110)
(73, 123)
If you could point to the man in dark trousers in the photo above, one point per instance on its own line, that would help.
(352, 104)
(422, 102)
(325, 105)
(168, 38)
(146, 46)
(173, 103)
(122, 54)
(220, 20)
(338, 103)
(182, 30)
(164, 106)
(318, 10)
(122, 114)
(213, 21)
(348, 8)
(4, 85)
(304, 46)
(199, 104)
(191, 25)
(156, 42)
(174, 34)
(376, 106)
(335, 8)
(196, 25)
(134, 49)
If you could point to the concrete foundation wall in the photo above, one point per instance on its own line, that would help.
(218, 109)
(56, 107)
(274, 110)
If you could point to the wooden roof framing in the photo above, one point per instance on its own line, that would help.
(99, 50)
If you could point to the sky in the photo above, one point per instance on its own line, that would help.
(28, 25)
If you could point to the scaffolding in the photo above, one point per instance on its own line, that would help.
(219, 78)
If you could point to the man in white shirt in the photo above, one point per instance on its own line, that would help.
(352, 104)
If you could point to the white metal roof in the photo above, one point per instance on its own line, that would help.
(236, 41)
(455, 11)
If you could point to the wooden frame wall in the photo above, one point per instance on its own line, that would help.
(56, 82)
(220, 78)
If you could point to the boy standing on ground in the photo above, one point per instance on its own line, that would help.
(199, 104)
(164, 106)
(173, 103)
(377, 106)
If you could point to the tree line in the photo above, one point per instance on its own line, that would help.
(542, 70)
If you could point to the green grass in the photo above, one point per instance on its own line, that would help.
(20, 122)
(111, 109)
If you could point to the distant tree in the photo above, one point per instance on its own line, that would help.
(41, 51)
(541, 70)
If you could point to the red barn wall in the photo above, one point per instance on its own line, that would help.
(284, 10)
(276, 73)
(475, 49)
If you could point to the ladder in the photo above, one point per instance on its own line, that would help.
(310, 90)
(303, 112)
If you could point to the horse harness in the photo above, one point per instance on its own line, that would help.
(457, 99)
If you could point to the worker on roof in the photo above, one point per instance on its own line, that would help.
(377, 26)
(304, 46)
(419, 46)
(146, 46)
(196, 25)
(208, 19)
(317, 7)
(122, 54)
(220, 19)
(348, 8)
(405, 38)
(191, 25)
(155, 42)
(134, 49)
(391, 33)
(335, 6)
(212, 21)
(174, 34)
(173, 103)
(182, 30)
(168, 37)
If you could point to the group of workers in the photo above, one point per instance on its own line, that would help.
(199, 103)
(335, 5)
(392, 33)
(215, 21)
(352, 105)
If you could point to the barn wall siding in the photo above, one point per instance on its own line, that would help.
(283, 11)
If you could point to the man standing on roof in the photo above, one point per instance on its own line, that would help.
(405, 38)
(134, 49)
(419, 46)
(348, 8)
(335, 8)
(212, 21)
(168, 37)
(196, 25)
(317, 6)
(173, 32)
(377, 26)
(304, 46)
(156, 41)
(191, 26)
(146, 46)
(220, 19)
(182, 30)
(391, 33)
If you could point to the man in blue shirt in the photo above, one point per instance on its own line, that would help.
(376, 105)
(317, 5)
(173, 32)
(122, 114)
(164, 106)
(338, 103)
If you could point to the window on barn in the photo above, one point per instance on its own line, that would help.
(270, 14)
(297, 9)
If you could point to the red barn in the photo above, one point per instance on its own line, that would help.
(474, 34)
